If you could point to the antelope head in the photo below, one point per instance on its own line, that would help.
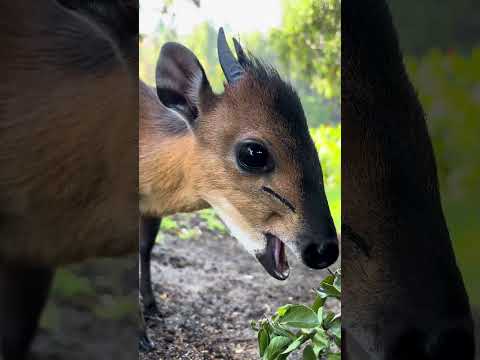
(246, 152)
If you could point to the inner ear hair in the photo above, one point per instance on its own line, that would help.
(182, 84)
(178, 103)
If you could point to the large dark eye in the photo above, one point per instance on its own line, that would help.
(254, 157)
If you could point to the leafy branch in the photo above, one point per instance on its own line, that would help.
(313, 328)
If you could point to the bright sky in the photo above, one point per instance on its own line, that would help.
(242, 16)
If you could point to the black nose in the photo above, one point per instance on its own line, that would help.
(320, 256)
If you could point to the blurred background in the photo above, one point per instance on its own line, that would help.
(441, 46)
(207, 287)
(92, 312)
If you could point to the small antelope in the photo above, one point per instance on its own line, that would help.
(403, 296)
(68, 140)
(246, 152)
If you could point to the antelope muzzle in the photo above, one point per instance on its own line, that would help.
(319, 252)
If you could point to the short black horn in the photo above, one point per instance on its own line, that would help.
(231, 67)
(242, 58)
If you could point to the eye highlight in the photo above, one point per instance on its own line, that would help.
(254, 157)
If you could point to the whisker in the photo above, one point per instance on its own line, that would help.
(280, 198)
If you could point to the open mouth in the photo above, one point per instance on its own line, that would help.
(274, 258)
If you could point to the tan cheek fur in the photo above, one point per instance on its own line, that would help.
(168, 177)
(254, 207)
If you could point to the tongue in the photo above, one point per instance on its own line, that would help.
(274, 258)
(280, 258)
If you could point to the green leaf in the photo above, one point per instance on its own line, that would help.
(276, 347)
(319, 302)
(336, 330)
(299, 316)
(328, 317)
(330, 290)
(328, 280)
(334, 356)
(263, 340)
(295, 344)
(295, 325)
(320, 341)
(337, 283)
(322, 295)
(330, 287)
(283, 309)
(320, 314)
(279, 330)
(309, 354)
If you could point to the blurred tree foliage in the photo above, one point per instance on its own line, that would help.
(444, 25)
(440, 42)
(149, 50)
(305, 50)
(448, 84)
(308, 43)
(328, 143)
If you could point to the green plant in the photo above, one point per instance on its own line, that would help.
(308, 43)
(212, 220)
(168, 224)
(68, 285)
(294, 327)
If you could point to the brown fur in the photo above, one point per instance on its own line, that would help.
(68, 128)
(167, 163)
(66, 186)
(65, 197)
(241, 115)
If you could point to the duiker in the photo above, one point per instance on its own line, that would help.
(246, 152)
(403, 294)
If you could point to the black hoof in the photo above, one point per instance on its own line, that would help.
(151, 313)
(145, 345)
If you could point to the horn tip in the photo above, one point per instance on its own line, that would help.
(221, 37)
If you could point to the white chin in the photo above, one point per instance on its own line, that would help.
(237, 225)
(294, 248)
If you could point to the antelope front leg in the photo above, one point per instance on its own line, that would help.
(23, 294)
(144, 342)
(148, 232)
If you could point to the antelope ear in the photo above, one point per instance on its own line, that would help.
(182, 84)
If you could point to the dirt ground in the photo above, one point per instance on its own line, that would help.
(209, 289)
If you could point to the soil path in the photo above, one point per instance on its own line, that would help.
(209, 289)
